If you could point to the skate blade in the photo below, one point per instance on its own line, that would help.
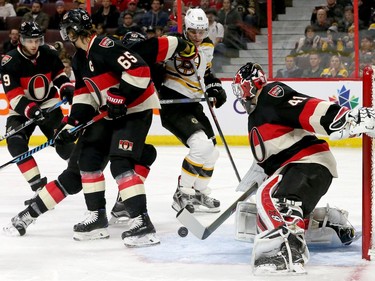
(96, 234)
(203, 209)
(118, 220)
(270, 270)
(11, 231)
(141, 241)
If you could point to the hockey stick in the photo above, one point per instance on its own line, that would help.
(30, 121)
(187, 100)
(216, 121)
(50, 142)
(201, 231)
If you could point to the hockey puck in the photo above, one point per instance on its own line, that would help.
(183, 231)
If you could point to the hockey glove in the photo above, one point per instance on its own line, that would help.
(215, 90)
(190, 52)
(362, 120)
(62, 135)
(67, 91)
(33, 111)
(116, 106)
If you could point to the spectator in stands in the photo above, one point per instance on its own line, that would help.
(249, 10)
(333, 10)
(322, 23)
(329, 44)
(68, 69)
(134, 10)
(204, 5)
(155, 16)
(37, 15)
(308, 43)
(12, 43)
(348, 20)
(215, 29)
(172, 23)
(107, 14)
(79, 4)
(367, 46)
(315, 67)
(55, 19)
(291, 70)
(336, 69)
(127, 25)
(230, 19)
(6, 10)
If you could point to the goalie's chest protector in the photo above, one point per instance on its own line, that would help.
(180, 75)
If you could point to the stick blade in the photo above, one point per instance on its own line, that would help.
(192, 224)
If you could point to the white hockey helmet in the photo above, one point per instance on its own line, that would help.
(196, 19)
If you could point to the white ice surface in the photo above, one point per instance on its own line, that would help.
(48, 252)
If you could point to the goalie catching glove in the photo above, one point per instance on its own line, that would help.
(116, 106)
(354, 123)
(215, 90)
(190, 52)
(62, 135)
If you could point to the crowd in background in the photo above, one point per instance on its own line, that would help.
(325, 50)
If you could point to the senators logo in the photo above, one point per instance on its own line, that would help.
(5, 60)
(125, 145)
(106, 43)
(276, 92)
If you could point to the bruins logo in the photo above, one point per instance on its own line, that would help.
(185, 67)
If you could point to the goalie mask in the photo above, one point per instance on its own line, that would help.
(31, 30)
(248, 80)
(77, 20)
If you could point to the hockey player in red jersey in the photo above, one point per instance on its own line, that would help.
(30, 86)
(152, 50)
(110, 76)
(282, 124)
(187, 121)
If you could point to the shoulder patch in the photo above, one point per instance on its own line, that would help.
(106, 43)
(277, 91)
(5, 59)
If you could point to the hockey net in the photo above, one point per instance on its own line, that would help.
(368, 157)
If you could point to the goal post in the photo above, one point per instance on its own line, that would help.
(368, 91)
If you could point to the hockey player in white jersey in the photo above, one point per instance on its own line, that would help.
(187, 121)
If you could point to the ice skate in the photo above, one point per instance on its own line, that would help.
(182, 198)
(281, 264)
(119, 213)
(141, 233)
(19, 224)
(205, 204)
(36, 186)
(94, 226)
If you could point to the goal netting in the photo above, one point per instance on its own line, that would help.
(368, 157)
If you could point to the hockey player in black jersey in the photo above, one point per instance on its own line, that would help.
(153, 50)
(30, 75)
(187, 121)
(282, 124)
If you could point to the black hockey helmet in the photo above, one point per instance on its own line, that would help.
(248, 80)
(30, 29)
(132, 37)
(78, 20)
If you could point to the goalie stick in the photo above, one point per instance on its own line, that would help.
(30, 121)
(50, 142)
(201, 231)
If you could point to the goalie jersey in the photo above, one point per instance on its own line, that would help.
(283, 125)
